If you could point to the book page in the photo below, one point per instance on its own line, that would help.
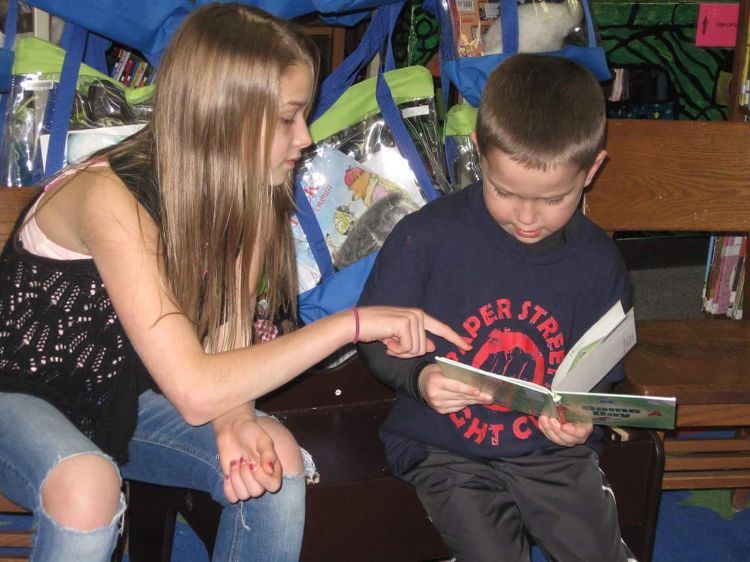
(516, 394)
(618, 409)
(598, 350)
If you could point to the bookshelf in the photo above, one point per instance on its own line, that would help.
(739, 111)
(740, 88)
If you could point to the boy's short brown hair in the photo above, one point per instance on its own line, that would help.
(542, 111)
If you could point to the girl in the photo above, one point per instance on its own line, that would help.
(126, 295)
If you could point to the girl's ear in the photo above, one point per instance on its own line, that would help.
(473, 137)
(595, 167)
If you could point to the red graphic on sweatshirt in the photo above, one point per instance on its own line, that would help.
(523, 342)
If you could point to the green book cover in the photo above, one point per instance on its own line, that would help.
(569, 400)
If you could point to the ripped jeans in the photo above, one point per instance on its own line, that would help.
(164, 450)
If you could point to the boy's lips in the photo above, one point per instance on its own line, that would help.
(528, 233)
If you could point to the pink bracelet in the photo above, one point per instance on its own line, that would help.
(356, 325)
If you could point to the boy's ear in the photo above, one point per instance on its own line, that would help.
(473, 137)
(595, 167)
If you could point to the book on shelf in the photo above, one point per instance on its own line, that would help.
(724, 276)
(129, 67)
(568, 399)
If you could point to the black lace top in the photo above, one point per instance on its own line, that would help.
(61, 340)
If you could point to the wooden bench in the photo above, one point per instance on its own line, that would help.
(358, 511)
(679, 176)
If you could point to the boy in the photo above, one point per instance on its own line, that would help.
(512, 265)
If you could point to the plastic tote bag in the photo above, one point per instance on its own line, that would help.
(376, 157)
(104, 111)
(474, 39)
(147, 25)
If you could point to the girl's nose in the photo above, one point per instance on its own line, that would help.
(302, 136)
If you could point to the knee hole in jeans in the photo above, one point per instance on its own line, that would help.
(82, 492)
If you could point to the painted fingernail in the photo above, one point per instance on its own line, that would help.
(243, 460)
(252, 466)
(232, 464)
(226, 477)
(270, 465)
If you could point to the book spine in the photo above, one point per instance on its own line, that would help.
(707, 273)
(738, 282)
(730, 257)
(124, 58)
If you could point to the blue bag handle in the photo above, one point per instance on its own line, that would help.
(509, 24)
(377, 35)
(74, 42)
(11, 23)
(6, 80)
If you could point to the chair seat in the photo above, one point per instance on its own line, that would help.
(672, 358)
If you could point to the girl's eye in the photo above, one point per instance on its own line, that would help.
(286, 121)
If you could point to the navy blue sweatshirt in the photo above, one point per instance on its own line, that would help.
(520, 306)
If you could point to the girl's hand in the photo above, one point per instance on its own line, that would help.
(565, 434)
(403, 330)
(247, 456)
(445, 395)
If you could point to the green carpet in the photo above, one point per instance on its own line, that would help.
(716, 500)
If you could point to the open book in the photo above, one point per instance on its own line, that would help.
(569, 399)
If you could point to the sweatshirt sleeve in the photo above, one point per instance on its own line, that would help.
(397, 279)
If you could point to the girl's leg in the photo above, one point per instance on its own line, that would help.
(166, 450)
(52, 469)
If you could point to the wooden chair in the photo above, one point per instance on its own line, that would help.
(686, 176)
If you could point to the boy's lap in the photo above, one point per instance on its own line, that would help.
(480, 506)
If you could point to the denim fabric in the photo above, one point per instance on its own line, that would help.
(166, 450)
(34, 437)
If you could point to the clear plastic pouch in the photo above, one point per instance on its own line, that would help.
(99, 105)
(357, 181)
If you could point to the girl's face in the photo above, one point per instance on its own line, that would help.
(291, 134)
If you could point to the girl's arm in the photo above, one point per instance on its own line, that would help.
(123, 242)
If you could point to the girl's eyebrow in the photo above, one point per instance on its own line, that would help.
(295, 103)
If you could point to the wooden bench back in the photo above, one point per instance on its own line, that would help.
(12, 202)
(673, 176)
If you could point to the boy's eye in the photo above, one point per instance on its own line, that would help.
(554, 201)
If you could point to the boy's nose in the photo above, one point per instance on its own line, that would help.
(526, 212)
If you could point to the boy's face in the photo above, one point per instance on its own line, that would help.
(531, 204)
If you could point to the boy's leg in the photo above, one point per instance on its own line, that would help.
(566, 504)
(166, 450)
(471, 508)
(36, 439)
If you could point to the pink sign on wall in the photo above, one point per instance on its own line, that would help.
(717, 25)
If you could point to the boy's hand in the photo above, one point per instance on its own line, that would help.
(565, 434)
(445, 395)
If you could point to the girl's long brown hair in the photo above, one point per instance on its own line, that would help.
(210, 193)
